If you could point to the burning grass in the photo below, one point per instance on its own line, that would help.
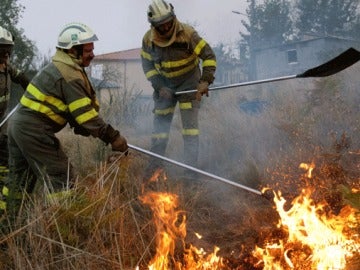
(109, 221)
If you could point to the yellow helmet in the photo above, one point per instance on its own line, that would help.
(6, 37)
(74, 34)
(160, 12)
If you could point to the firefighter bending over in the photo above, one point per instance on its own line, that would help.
(172, 53)
(61, 93)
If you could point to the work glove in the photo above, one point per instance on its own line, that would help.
(119, 144)
(202, 89)
(166, 93)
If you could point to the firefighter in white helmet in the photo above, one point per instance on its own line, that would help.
(175, 58)
(60, 93)
(8, 74)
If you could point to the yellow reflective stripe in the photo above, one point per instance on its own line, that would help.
(181, 71)
(4, 169)
(164, 111)
(179, 63)
(36, 106)
(4, 98)
(200, 46)
(209, 63)
(5, 191)
(86, 116)
(59, 195)
(191, 132)
(160, 136)
(2, 205)
(151, 73)
(185, 105)
(79, 103)
(44, 98)
(146, 55)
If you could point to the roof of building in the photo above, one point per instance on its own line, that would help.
(133, 54)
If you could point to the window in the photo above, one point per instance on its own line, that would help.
(292, 56)
(97, 72)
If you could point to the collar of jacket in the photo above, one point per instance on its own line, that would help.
(63, 57)
(166, 40)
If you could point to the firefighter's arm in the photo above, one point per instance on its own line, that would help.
(151, 72)
(204, 51)
(84, 112)
(19, 77)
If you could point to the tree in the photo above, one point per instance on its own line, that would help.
(228, 68)
(24, 49)
(326, 17)
(267, 24)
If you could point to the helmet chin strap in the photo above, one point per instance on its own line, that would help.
(77, 53)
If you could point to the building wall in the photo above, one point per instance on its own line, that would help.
(274, 62)
(127, 74)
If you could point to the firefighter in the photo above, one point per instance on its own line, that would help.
(174, 59)
(8, 74)
(60, 93)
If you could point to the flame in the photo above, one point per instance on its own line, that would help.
(308, 167)
(170, 227)
(316, 239)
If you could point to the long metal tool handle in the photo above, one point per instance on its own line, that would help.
(8, 115)
(257, 192)
(241, 84)
(334, 65)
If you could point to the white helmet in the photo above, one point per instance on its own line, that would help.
(75, 34)
(6, 37)
(160, 12)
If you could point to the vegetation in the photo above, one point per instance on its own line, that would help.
(24, 50)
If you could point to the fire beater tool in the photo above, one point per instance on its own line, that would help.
(335, 65)
(257, 192)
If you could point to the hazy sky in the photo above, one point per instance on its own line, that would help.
(121, 24)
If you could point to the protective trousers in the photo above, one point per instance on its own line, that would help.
(163, 115)
(44, 165)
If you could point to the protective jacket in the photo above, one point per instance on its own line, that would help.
(175, 63)
(7, 76)
(62, 93)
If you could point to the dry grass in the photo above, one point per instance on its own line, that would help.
(103, 225)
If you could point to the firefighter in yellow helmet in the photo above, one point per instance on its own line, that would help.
(60, 93)
(174, 59)
(8, 75)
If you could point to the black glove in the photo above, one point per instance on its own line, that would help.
(166, 93)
